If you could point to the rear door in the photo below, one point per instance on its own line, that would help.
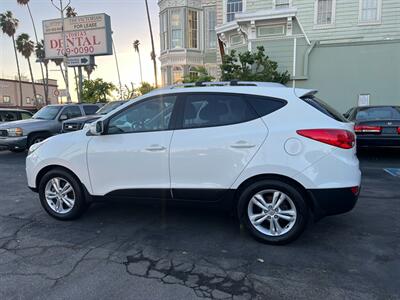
(216, 137)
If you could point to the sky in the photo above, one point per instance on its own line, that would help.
(128, 21)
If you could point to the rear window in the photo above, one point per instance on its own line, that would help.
(325, 108)
(264, 105)
(378, 113)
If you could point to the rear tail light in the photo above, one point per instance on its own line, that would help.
(336, 137)
(367, 129)
(398, 130)
(355, 190)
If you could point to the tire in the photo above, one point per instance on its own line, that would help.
(68, 210)
(17, 150)
(291, 215)
(36, 138)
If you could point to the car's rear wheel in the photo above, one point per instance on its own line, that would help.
(274, 212)
(61, 195)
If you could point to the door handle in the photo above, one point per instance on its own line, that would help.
(242, 145)
(155, 148)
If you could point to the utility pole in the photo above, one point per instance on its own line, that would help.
(153, 53)
(65, 54)
(116, 63)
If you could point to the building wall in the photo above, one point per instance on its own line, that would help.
(10, 88)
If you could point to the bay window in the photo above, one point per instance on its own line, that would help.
(164, 31)
(176, 29)
(211, 23)
(193, 29)
(233, 7)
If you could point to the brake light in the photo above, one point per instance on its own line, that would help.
(367, 129)
(355, 190)
(398, 130)
(336, 137)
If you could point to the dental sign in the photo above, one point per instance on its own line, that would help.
(85, 35)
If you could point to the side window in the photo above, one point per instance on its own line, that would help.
(264, 105)
(25, 115)
(90, 109)
(151, 115)
(9, 116)
(205, 110)
(72, 111)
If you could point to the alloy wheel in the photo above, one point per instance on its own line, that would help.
(60, 195)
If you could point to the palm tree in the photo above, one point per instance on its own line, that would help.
(136, 47)
(89, 69)
(41, 56)
(26, 2)
(59, 62)
(153, 53)
(70, 13)
(9, 26)
(26, 47)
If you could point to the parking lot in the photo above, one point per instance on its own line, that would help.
(129, 250)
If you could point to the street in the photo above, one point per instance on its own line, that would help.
(130, 250)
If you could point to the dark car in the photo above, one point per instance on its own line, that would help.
(78, 123)
(10, 115)
(376, 126)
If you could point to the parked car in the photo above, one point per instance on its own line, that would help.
(376, 126)
(78, 123)
(241, 145)
(10, 115)
(20, 135)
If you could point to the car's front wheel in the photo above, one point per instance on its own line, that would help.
(274, 212)
(61, 195)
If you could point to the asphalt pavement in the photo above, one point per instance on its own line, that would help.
(130, 250)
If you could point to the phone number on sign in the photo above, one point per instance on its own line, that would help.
(76, 50)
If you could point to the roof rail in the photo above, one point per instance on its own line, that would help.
(226, 83)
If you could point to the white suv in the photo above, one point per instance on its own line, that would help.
(278, 156)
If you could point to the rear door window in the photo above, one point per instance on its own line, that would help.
(325, 108)
(8, 116)
(90, 109)
(209, 109)
(72, 111)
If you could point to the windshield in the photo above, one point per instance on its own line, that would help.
(378, 113)
(47, 113)
(109, 107)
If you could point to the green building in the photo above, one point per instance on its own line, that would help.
(349, 50)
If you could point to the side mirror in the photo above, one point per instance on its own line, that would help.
(97, 128)
(63, 117)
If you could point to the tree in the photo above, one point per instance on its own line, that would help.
(9, 26)
(89, 70)
(153, 53)
(70, 12)
(136, 47)
(198, 74)
(26, 2)
(144, 88)
(26, 47)
(96, 90)
(58, 62)
(41, 56)
(249, 66)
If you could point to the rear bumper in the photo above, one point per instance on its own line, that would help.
(336, 201)
(378, 141)
(14, 142)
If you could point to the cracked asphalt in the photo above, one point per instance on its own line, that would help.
(130, 250)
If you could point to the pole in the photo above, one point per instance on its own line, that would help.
(140, 66)
(153, 54)
(65, 53)
(80, 86)
(116, 63)
(294, 62)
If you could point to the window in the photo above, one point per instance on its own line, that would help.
(323, 107)
(72, 112)
(8, 116)
(282, 3)
(205, 110)
(28, 100)
(370, 11)
(193, 73)
(236, 39)
(164, 31)
(233, 7)
(151, 115)
(176, 29)
(6, 99)
(177, 74)
(264, 106)
(90, 109)
(325, 12)
(39, 99)
(25, 115)
(211, 23)
(192, 29)
(378, 113)
(270, 30)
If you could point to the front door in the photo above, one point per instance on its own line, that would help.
(131, 158)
